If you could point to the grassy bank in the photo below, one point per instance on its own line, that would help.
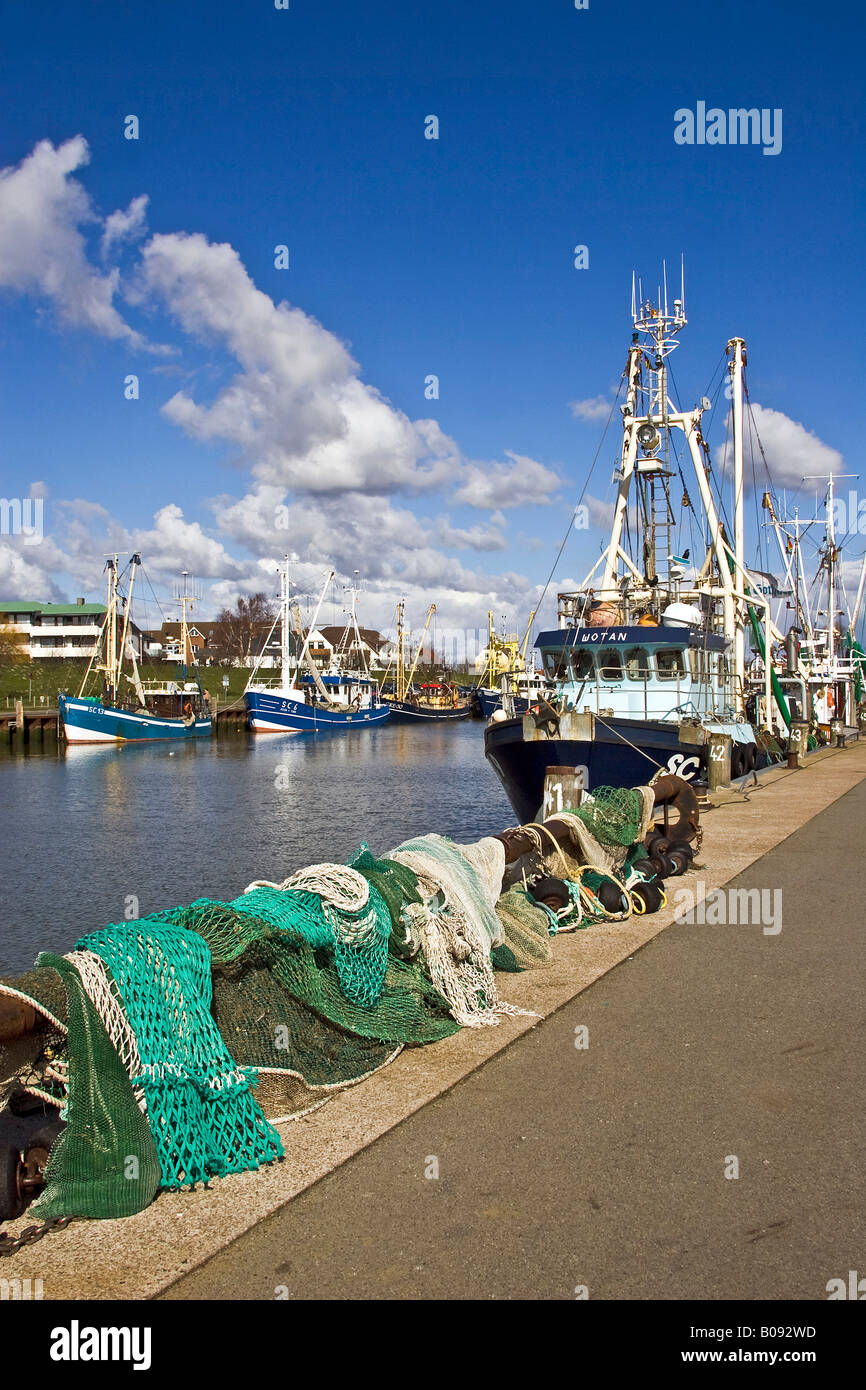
(39, 682)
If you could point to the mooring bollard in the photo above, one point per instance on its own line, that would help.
(719, 765)
(798, 742)
(563, 790)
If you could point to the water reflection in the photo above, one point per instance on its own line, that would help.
(83, 828)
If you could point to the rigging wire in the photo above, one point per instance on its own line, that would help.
(580, 498)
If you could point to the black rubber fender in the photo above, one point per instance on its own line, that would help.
(679, 796)
(738, 760)
(551, 891)
(11, 1200)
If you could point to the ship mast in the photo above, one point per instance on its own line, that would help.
(430, 611)
(185, 599)
(829, 557)
(737, 362)
(401, 656)
(285, 625)
(111, 644)
(648, 415)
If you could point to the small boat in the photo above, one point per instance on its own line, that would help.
(517, 686)
(518, 691)
(148, 710)
(319, 701)
(435, 701)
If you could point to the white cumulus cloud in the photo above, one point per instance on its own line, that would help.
(297, 410)
(792, 451)
(521, 482)
(593, 408)
(42, 250)
(125, 226)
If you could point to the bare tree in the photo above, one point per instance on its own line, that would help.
(241, 628)
(13, 646)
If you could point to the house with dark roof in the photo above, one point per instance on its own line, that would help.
(369, 648)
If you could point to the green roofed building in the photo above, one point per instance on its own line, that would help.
(65, 631)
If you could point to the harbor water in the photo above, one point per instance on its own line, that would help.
(93, 835)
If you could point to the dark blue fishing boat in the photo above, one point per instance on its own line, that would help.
(316, 702)
(647, 663)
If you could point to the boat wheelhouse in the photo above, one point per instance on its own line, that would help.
(643, 672)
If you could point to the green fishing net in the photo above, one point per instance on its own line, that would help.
(396, 883)
(612, 814)
(199, 1101)
(359, 940)
(408, 1010)
(104, 1163)
(527, 932)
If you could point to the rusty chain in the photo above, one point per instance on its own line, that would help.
(10, 1245)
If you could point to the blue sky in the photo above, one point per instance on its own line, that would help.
(305, 127)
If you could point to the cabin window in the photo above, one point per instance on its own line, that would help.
(556, 664)
(610, 665)
(670, 664)
(582, 665)
(723, 672)
(637, 664)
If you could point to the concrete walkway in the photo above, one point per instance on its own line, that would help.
(143, 1255)
(717, 1048)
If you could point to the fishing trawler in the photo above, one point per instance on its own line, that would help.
(433, 701)
(819, 668)
(506, 677)
(129, 709)
(316, 701)
(648, 659)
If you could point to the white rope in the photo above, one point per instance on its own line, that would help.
(337, 884)
(102, 994)
(454, 937)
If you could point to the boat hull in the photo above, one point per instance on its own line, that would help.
(278, 714)
(88, 721)
(491, 700)
(625, 753)
(402, 712)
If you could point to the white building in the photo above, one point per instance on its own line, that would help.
(58, 631)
